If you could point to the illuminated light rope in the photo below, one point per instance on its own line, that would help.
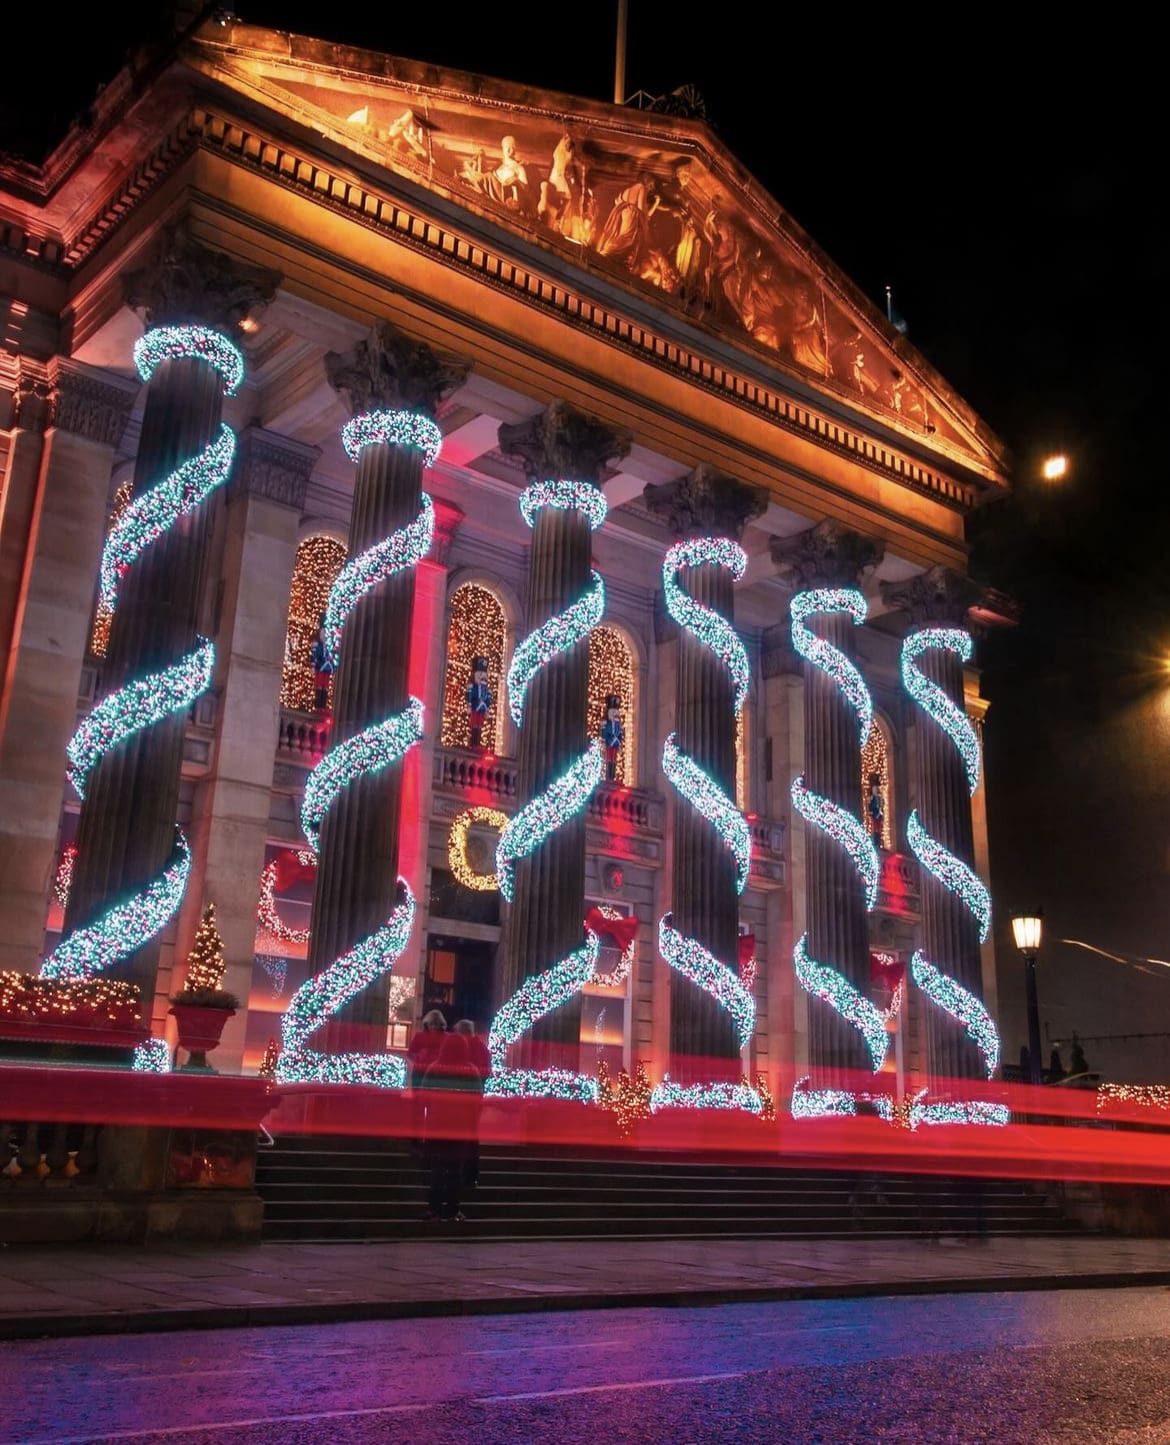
(370, 751)
(320, 997)
(266, 914)
(961, 1004)
(618, 976)
(955, 876)
(562, 800)
(826, 983)
(137, 706)
(123, 929)
(134, 921)
(951, 872)
(823, 655)
(687, 955)
(933, 700)
(457, 847)
(706, 796)
(402, 549)
(844, 828)
(837, 1103)
(537, 996)
(847, 830)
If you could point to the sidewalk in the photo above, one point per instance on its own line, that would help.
(119, 1289)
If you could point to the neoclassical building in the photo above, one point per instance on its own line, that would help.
(651, 418)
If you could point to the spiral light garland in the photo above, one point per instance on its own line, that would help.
(543, 815)
(687, 955)
(141, 703)
(370, 751)
(954, 875)
(820, 979)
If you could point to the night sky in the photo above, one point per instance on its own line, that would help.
(1004, 182)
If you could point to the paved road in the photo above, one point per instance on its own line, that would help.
(1039, 1369)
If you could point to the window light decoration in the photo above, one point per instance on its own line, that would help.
(823, 655)
(562, 800)
(135, 707)
(612, 673)
(266, 911)
(477, 628)
(875, 761)
(371, 751)
(818, 977)
(100, 1002)
(142, 702)
(457, 847)
(1146, 1096)
(836, 990)
(152, 1056)
(99, 637)
(537, 996)
(319, 560)
(125, 927)
(954, 875)
(688, 956)
(63, 878)
(844, 828)
(403, 549)
(393, 428)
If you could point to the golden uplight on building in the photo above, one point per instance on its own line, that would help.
(1055, 468)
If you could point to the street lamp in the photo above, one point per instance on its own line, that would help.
(1028, 929)
(1054, 468)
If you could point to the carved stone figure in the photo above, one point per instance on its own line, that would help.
(566, 202)
(626, 232)
(407, 134)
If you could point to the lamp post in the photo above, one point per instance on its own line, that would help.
(1027, 929)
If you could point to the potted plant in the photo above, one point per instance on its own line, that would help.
(203, 1006)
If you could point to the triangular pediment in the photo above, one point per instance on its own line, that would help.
(649, 201)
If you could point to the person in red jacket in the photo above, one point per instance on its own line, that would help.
(425, 1043)
(455, 1088)
(481, 1060)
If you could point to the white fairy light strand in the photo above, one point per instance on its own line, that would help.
(844, 828)
(933, 700)
(708, 627)
(393, 428)
(152, 1056)
(699, 964)
(266, 911)
(961, 1004)
(826, 983)
(457, 847)
(951, 872)
(550, 810)
(823, 655)
(617, 976)
(706, 796)
(370, 751)
(670, 1095)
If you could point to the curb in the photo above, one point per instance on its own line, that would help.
(210, 1317)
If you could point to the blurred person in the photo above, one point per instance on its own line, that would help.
(455, 1086)
(482, 1061)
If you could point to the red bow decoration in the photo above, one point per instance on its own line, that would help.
(290, 871)
(623, 931)
(747, 948)
(886, 972)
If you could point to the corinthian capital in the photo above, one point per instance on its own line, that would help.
(938, 595)
(391, 371)
(189, 284)
(561, 441)
(827, 555)
(706, 503)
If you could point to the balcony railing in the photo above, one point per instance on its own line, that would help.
(303, 735)
(480, 775)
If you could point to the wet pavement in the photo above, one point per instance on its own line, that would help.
(1040, 1368)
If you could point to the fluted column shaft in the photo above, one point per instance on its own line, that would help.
(357, 871)
(705, 901)
(838, 928)
(950, 932)
(126, 829)
(547, 916)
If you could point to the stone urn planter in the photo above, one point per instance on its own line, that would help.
(201, 1027)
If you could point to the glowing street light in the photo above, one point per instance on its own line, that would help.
(1027, 930)
(1055, 468)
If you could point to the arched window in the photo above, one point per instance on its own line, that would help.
(876, 795)
(477, 629)
(611, 672)
(99, 638)
(319, 560)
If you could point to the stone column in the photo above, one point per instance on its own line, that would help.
(86, 414)
(357, 871)
(704, 1044)
(950, 933)
(126, 830)
(229, 824)
(548, 910)
(829, 555)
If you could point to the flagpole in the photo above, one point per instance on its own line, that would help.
(619, 66)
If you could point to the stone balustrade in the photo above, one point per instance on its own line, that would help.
(302, 735)
(490, 779)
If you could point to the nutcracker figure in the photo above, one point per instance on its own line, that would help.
(612, 734)
(479, 699)
(874, 808)
(322, 665)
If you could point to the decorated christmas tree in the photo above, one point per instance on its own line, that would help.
(206, 966)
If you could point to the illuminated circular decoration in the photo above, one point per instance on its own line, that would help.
(957, 877)
(550, 810)
(457, 847)
(617, 976)
(687, 955)
(394, 428)
(132, 922)
(266, 914)
(818, 978)
(375, 748)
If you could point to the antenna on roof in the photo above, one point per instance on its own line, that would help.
(893, 316)
(619, 60)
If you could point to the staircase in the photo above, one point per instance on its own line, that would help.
(328, 1189)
